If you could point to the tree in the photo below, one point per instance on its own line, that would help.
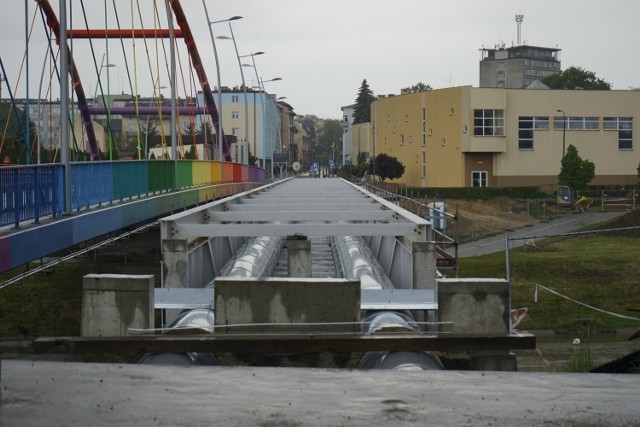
(13, 145)
(253, 160)
(385, 166)
(576, 78)
(575, 172)
(418, 87)
(362, 113)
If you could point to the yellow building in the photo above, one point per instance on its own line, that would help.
(467, 136)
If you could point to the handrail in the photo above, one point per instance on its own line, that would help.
(31, 192)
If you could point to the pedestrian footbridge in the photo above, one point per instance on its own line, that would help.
(314, 228)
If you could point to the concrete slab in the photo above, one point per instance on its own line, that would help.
(73, 394)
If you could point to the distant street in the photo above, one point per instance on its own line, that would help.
(563, 224)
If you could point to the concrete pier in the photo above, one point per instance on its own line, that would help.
(113, 303)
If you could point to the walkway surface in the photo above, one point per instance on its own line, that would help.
(79, 394)
(563, 224)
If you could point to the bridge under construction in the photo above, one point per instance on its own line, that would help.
(300, 265)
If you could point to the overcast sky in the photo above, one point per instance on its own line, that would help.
(324, 49)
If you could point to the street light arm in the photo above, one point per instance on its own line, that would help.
(246, 101)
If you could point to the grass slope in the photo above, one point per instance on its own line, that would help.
(598, 270)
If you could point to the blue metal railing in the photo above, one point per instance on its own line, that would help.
(30, 192)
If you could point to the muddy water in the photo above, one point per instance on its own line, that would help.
(560, 354)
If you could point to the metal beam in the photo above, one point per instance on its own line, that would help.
(282, 230)
(286, 343)
(299, 215)
(311, 207)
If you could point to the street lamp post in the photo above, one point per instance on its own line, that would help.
(564, 128)
(107, 102)
(260, 87)
(245, 148)
(215, 55)
(146, 129)
(95, 92)
(275, 112)
(252, 55)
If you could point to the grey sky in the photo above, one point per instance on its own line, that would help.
(323, 49)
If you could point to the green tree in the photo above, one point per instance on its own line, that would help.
(331, 138)
(362, 113)
(576, 172)
(13, 146)
(253, 160)
(386, 167)
(418, 87)
(576, 78)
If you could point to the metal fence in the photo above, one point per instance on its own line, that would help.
(31, 192)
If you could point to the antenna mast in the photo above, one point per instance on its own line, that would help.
(519, 19)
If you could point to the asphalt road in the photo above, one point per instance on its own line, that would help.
(563, 224)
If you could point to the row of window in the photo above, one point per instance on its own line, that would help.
(490, 122)
(527, 124)
(538, 73)
(543, 64)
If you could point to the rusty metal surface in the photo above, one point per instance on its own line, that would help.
(282, 343)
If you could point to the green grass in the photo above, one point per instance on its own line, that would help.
(597, 270)
(43, 305)
(580, 361)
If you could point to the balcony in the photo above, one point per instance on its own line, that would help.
(485, 144)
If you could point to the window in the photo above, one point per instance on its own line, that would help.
(424, 127)
(479, 178)
(624, 126)
(235, 99)
(234, 131)
(401, 139)
(577, 123)
(526, 126)
(235, 115)
(488, 122)
(424, 164)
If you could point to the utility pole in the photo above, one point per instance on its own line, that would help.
(1, 81)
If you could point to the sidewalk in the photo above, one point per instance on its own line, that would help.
(562, 224)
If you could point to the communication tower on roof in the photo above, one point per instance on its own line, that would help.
(519, 19)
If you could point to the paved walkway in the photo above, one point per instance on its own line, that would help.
(563, 224)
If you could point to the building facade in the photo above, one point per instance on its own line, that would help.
(517, 67)
(262, 129)
(347, 122)
(467, 136)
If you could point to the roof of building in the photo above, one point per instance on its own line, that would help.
(537, 84)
